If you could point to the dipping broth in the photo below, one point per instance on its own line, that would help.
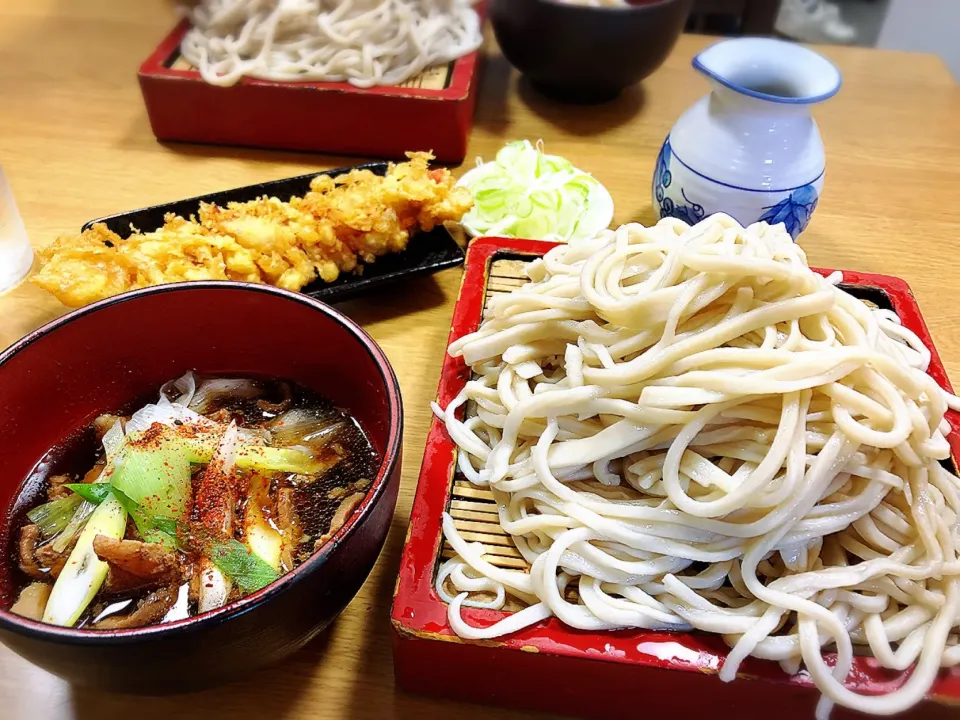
(189, 503)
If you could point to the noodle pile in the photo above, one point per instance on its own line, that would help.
(363, 42)
(693, 430)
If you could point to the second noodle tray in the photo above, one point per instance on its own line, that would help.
(433, 111)
(552, 667)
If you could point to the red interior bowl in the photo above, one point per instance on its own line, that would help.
(99, 358)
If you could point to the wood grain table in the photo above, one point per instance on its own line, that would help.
(75, 144)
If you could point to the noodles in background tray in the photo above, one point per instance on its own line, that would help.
(694, 430)
(363, 42)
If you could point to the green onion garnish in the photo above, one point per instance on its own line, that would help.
(52, 517)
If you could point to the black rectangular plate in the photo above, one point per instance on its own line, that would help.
(428, 252)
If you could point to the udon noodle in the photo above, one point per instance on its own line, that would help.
(363, 42)
(693, 430)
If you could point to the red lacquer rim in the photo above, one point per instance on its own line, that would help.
(391, 455)
(419, 612)
(458, 88)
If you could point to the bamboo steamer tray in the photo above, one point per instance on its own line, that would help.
(554, 668)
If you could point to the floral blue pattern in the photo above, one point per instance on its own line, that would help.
(793, 211)
(690, 212)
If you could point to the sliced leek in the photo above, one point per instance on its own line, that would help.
(84, 572)
(527, 193)
(155, 475)
(52, 517)
(113, 441)
(262, 538)
(152, 528)
(94, 493)
(265, 542)
(291, 460)
(226, 560)
(200, 449)
(214, 587)
(245, 568)
(80, 516)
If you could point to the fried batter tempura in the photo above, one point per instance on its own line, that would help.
(338, 226)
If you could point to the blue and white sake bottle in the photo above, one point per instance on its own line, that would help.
(750, 148)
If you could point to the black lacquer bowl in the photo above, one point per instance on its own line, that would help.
(582, 54)
(102, 357)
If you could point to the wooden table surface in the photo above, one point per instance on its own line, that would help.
(75, 144)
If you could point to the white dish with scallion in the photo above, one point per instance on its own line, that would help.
(525, 193)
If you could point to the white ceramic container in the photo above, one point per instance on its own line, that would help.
(750, 148)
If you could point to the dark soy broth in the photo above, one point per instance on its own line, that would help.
(359, 461)
(328, 497)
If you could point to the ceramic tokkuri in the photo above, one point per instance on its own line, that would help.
(750, 148)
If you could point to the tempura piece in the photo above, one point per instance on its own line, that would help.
(338, 226)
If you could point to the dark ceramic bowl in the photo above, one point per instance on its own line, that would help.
(57, 379)
(584, 54)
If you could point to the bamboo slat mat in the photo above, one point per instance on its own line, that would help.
(473, 508)
(435, 78)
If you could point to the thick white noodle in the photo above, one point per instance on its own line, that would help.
(362, 42)
(692, 429)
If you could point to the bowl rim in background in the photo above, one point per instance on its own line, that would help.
(643, 5)
(390, 458)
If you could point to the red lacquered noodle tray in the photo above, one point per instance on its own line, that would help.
(433, 111)
(554, 668)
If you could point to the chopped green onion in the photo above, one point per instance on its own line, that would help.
(265, 542)
(215, 587)
(525, 193)
(523, 208)
(291, 460)
(94, 493)
(240, 564)
(199, 450)
(494, 193)
(165, 525)
(256, 457)
(156, 476)
(533, 226)
(547, 199)
(84, 572)
(83, 513)
(152, 528)
(231, 557)
(62, 541)
(258, 534)
(113, 439)
(52, 517)
(228, 556)
(510, 153)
